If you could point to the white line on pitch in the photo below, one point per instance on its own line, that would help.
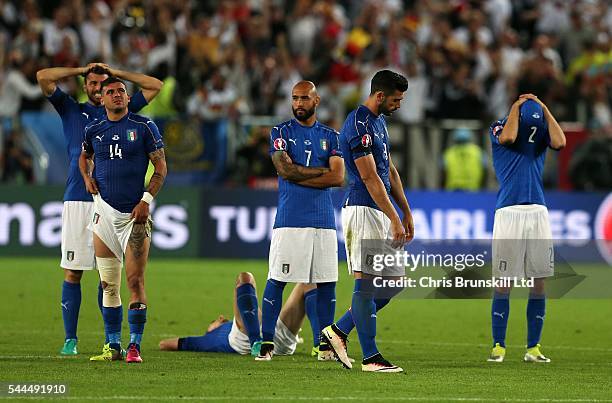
(283, 398)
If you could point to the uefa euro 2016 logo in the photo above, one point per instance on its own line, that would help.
(603, 229)
(280, 144)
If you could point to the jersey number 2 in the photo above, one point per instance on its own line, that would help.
(116, 152)
(533, 132)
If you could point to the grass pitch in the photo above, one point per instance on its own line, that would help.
(441, 344)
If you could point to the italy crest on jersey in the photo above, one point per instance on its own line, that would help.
(131, 134)
(324, 144)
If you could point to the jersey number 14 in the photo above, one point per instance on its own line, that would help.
(116, 153)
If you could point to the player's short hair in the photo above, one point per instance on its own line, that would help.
(96, 70)
(111, 80)
(388, 82)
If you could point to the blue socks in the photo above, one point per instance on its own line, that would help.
(346, 322)
(500, 310)
(326, 304)
(536, 309)
(364, 314)
(271, 307)
(71, 304)
(112, 325)
(246, 299)
(100, 295)
(137, 317)
(310, 304)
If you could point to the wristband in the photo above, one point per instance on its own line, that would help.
(147, 197)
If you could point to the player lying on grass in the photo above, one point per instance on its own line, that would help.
(242, 334)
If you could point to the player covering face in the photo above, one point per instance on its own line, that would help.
(121, 145)
(522, 238)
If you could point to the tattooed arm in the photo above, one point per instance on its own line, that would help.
(292, 172)
(158, 159)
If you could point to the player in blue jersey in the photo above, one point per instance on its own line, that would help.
(241, 335)
(121, 145)
(368, 214)
(77, 242)
(303, 248)
(522, 239)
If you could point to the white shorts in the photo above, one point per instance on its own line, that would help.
(361, 223)
(522, 242)
(77, 239)
(303, 255)
(285, 342)
(111, 226)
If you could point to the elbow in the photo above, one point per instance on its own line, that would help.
(506, 140)
(157, 85)
(558, 145)
(558, 142)
(367, 179)
(40, 75)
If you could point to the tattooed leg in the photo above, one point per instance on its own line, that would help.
(136, 255)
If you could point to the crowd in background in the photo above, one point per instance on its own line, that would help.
(231, 58)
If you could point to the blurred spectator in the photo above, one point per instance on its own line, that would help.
(15, 161)
(215, 100)
(464, 163)
(57, 34)
(591, 165)
(95, 32)
(460, 95)
(553, 16)
(222, 59)
(15, 86)
(257, 169)
(413, 105)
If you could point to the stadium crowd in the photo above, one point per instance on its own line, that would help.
(224, 59)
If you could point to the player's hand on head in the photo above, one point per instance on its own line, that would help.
(140, 213)
(533, 98)
(105, 67)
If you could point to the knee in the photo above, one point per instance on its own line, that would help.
(135, 282)
(245, 278)
(73, 276)
(110, 277)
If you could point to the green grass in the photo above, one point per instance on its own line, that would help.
(442, 344)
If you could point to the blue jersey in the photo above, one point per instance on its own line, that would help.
(75, 116)
(121, 157)
(302, 206)
(519, 166)
(364, 133)
(216, 341)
